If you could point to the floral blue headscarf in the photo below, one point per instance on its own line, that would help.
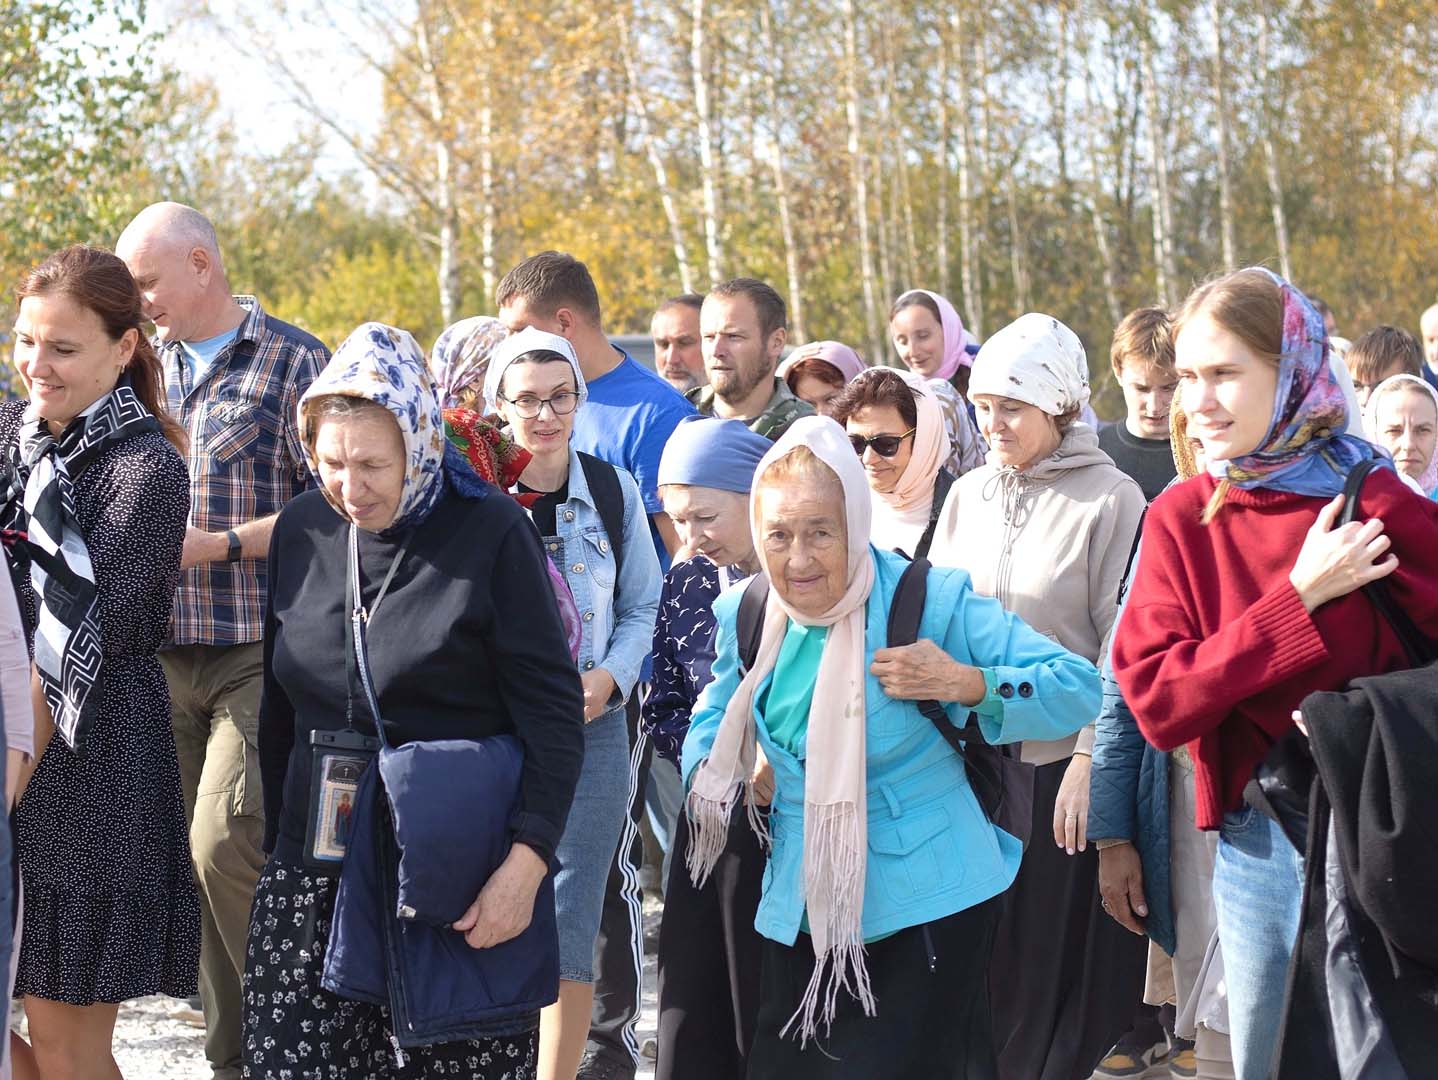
(386, 366)
(1307, 449)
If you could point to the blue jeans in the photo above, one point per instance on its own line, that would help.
(591, 836)
(1258, 893)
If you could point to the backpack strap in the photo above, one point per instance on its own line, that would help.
(750, 626)
(608, 496)
(942, 482)
(905, 612)
(1415, 643)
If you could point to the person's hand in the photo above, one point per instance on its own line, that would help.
(1335, 562)
(763, 779)
(203, 547)
(599, 687)
(505, 905)
(1120, 883)
(1071, 809)
(924, 672)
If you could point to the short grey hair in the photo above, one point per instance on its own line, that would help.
(178, 224)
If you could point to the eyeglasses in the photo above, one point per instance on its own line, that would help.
(529, 407)
(883, 445)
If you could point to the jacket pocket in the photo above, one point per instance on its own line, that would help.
(910, 854)
(599, 558)
(227, 441)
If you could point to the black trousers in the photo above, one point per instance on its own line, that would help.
(709, 960)
(619, 950)
(932, 1019)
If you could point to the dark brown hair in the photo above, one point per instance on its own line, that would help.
(768, 304)
(814, 367)
(99, 281)
(1379, 349)
(916, 298)
(1144, 336)
(549, 281)
(689, 300)
(878, 387)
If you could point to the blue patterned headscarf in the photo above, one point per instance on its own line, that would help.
(386, 366)
(1307, 449)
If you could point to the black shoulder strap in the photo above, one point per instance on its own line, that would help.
(1415, 643)
(608, 497)
(905, 612)
(750, 626)
(942, 482)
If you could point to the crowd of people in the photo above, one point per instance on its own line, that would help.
(981, 738)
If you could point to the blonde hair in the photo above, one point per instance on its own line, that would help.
(1145, 335)
(1249, 305)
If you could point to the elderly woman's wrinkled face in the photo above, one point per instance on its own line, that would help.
(803, 543)
(1227, 389)
(1406, 425)
(1020, 434)
(362, 465)
(711, 523)
(882, 422)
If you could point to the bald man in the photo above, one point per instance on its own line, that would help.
(1429, 327)
(233, 377)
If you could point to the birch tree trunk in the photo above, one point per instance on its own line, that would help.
(781, 183)
(1225, 180)
(1016, 245)
(488, 277)
(941, 222)
(656, 159)
(1270, 152)
(1096, 215)
(860, 183)
(1164, 271)
(446, 205)
(968, 273)
(708, 158)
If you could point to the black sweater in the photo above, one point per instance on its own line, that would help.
(467, 643)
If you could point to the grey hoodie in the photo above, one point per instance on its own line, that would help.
(1050, 543)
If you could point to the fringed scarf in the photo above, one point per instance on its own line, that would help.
(835, 803)
(40, 505)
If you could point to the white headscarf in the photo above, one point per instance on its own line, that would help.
(1035, 359)
(835, 795)
(529, 340)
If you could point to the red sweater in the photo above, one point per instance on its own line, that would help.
(1215, 650)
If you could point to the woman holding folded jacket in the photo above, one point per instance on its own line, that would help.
(450, 571)
(1247, 598)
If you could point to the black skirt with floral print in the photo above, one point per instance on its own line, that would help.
(294, 1028)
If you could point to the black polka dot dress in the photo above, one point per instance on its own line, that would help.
(111, 912)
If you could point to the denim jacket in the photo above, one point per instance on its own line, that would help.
(932, 852)
(617, 617)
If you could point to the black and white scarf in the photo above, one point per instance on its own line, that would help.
(40, 504)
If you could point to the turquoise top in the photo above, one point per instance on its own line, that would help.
(785, 704)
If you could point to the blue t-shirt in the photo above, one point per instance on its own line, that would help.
(200, 355)
(629, 416)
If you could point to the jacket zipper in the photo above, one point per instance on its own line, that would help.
(399, 1015)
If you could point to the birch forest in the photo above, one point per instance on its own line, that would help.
(1073, 156)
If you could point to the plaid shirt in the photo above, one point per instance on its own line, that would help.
(245, 460)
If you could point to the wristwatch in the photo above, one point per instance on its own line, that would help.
(236, 548)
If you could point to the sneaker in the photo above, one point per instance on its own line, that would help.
(1133, 1062)
(1182, 1061)
(596, 1066)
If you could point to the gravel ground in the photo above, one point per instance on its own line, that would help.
(151, 1045)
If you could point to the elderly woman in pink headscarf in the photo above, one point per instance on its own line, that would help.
(896, 426)
(931, 341)
(818, 372)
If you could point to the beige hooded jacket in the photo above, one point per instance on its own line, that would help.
(1051, 544)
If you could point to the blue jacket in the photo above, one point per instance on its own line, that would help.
(932, 852)
(1128, 794)
(617, 616)
(436, 987)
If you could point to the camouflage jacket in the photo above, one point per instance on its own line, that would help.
(781, 411)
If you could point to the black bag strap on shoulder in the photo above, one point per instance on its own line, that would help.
(608, 496)
(1415, 643)
(750, 626)
(943, 481)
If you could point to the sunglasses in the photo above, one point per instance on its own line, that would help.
(883, 445)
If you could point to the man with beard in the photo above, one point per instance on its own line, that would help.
(743, 328)
(678, 356)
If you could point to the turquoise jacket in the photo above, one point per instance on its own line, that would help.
(932, 852)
